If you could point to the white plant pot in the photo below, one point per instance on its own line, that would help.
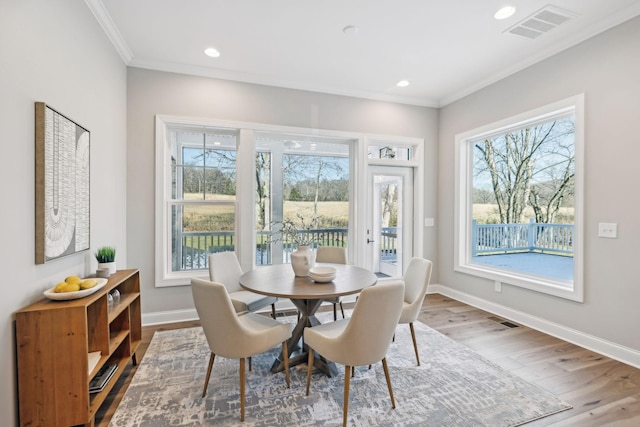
(109, 265)
(302, 259)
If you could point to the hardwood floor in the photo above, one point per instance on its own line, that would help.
(601, 390)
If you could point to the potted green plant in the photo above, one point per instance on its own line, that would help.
(106, 257)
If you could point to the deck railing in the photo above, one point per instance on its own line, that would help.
(531, 237)
(320, 237)
(194, 248)
(193, 251)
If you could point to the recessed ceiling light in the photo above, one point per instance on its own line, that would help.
(212, 52)
(350, 29)
(403, 83)
(505, 12)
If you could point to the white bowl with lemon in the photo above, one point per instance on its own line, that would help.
(74, 287)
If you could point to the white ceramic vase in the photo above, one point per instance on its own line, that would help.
(302, 259)
(110, 265)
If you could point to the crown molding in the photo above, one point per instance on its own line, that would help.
(105, 21)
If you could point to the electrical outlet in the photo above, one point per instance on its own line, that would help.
(497, 286)
(429, 222)
(608, 230)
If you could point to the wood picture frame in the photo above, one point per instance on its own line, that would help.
(62, 178)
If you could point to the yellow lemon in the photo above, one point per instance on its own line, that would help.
(71, 287)
(88, 283)
(59, 286)
(73, 279)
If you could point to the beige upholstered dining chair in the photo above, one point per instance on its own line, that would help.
(362, 339)
(416, 281)
(233, 336)
(225, 268)
(335, 255)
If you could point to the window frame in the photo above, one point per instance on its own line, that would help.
(464, 202)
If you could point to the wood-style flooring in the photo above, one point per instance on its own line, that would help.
(603, 392)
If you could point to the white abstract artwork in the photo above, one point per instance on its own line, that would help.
(62, 185)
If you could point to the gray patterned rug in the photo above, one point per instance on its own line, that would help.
(454, 387)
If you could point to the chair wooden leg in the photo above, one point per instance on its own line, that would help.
(242, 381)
(273, 310)
(249, 363)
(347, 378)
(285, 354)
(335, 312)
(342, 309)
(206, 380)
(388, 378)
(309, 368)
(415, 344)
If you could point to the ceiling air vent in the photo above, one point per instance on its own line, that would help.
(540, 22)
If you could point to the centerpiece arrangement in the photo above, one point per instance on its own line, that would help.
(286, 231)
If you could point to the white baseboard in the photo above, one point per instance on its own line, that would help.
(175, 316)
(607, 348)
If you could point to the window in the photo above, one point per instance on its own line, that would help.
(309, 187)
(519, 196)
(220, 185)
(200, 201)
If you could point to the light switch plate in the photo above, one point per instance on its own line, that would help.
(608, 230)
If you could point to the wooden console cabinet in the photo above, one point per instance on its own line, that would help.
(53, 342)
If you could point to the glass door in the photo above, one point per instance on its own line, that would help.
(389, 235)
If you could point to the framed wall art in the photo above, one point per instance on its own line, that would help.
(62, 185)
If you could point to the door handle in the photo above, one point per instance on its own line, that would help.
(370, 241)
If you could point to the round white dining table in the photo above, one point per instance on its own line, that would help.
(307, 295)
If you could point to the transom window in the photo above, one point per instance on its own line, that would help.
(519, 200)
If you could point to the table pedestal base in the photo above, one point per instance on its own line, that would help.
(298, 351)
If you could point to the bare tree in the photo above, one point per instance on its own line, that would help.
(263, 167)
(313, 169)
(533, 167)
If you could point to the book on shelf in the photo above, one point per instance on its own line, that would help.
(101, 379)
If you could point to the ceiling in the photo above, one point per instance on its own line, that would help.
(447, 49)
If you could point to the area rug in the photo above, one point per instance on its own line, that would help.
(454, 386)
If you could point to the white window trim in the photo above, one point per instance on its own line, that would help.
(463, 210)
(246, 152)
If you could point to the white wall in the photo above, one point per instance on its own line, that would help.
(606, 70)
(153, 92)
(57, 53)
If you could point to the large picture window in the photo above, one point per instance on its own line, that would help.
(519, 200)
(309, 188)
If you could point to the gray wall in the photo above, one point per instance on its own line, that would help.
(606, 70)
(54, 52)
(153, 92)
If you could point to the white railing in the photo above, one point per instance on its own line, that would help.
(531, 237)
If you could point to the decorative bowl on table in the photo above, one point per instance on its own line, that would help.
(65, 296)
(322, 274)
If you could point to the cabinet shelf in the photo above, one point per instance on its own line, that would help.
(53, 341)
